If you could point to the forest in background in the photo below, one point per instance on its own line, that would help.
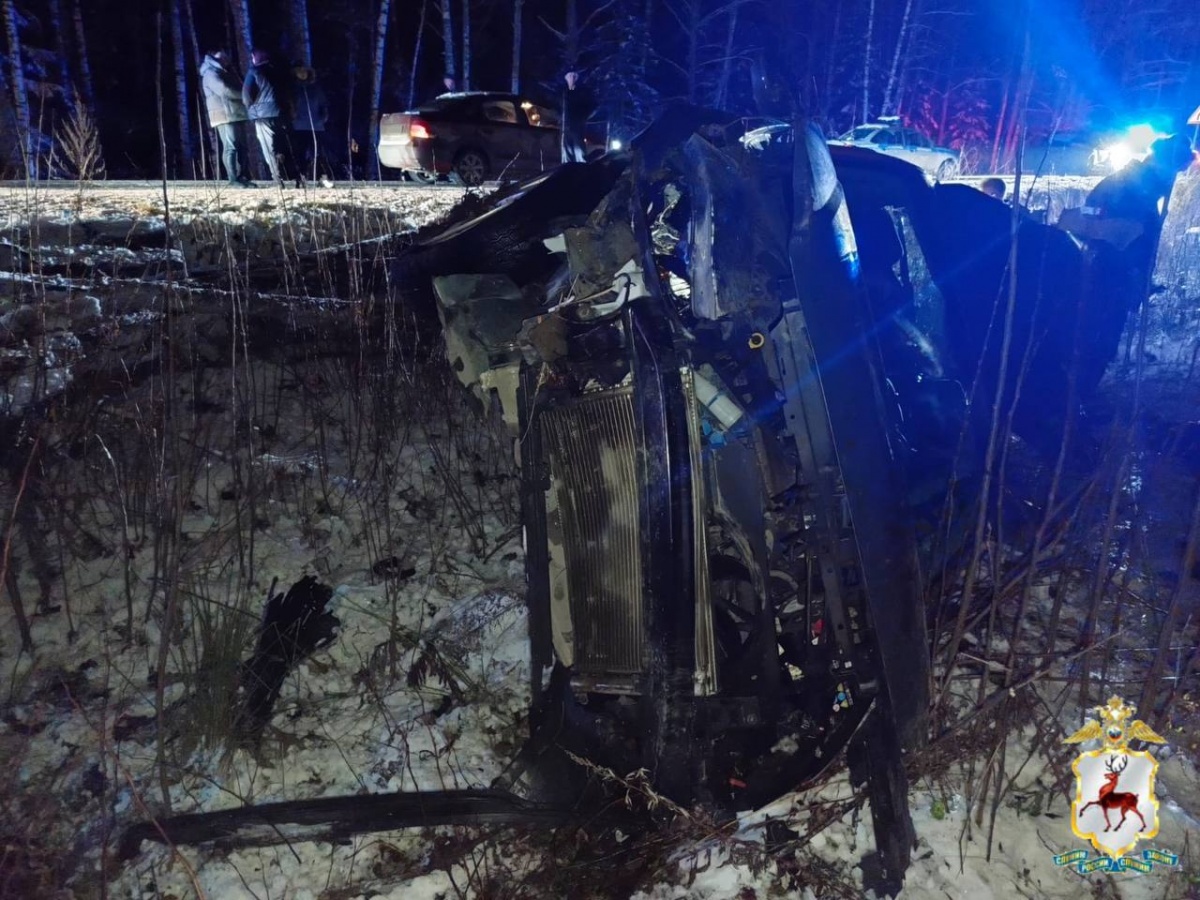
(970, 73)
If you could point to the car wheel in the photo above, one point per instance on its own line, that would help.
(947, 169)
(420, 176)
(471, 167)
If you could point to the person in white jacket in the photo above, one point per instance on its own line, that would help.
(223, 99)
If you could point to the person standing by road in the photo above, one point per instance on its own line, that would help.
(223, 101)
(265, 101)
(310, 114)
(577, 105)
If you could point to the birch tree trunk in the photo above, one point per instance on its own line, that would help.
(377, 64)
(727, 61)
(298, 32)
(890, 95)
(518, 10)
(416, 59)
(866, 107)
(86, 88)
(449, 69)
(466, 45)
(16, 73)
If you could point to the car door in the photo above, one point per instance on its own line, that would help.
(545, 145)
(500, 130)
(889, 141)
(920, 150)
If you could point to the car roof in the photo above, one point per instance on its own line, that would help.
(471, 95)
(453, 99)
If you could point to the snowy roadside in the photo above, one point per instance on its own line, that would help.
(99, 200)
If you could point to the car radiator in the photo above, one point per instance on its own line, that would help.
(596, 577)
(591, 447)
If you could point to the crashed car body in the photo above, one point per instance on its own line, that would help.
(740, 380)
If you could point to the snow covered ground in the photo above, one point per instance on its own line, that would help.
(125, 199)
(193, 488)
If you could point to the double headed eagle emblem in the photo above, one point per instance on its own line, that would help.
(1115, 728)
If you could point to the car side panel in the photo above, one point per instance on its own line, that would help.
(515, 147)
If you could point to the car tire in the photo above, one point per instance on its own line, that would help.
(948, 169)
(471, 166)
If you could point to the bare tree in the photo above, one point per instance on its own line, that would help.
(518, 10)
(183, 107)
(648, 18)
(727, 60)
(377, 64)
(416, 59)
(243, 31)
(572, 34)
(193, 45)
(16, 72)
(86, 88)
(449, 70)
(831, 57)
(466, 45)
(298, 32)
(891, 95)
(575, 31)
(695, 18)
(62, 60)
(866, 86)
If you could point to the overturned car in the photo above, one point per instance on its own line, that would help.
(741, 379)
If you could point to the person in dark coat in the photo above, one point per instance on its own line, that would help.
(577, 105)
(266, 104)
(310, 115)
(223, 100)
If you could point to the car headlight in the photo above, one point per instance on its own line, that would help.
(1118, 155)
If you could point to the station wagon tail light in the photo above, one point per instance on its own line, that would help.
(418, 129)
